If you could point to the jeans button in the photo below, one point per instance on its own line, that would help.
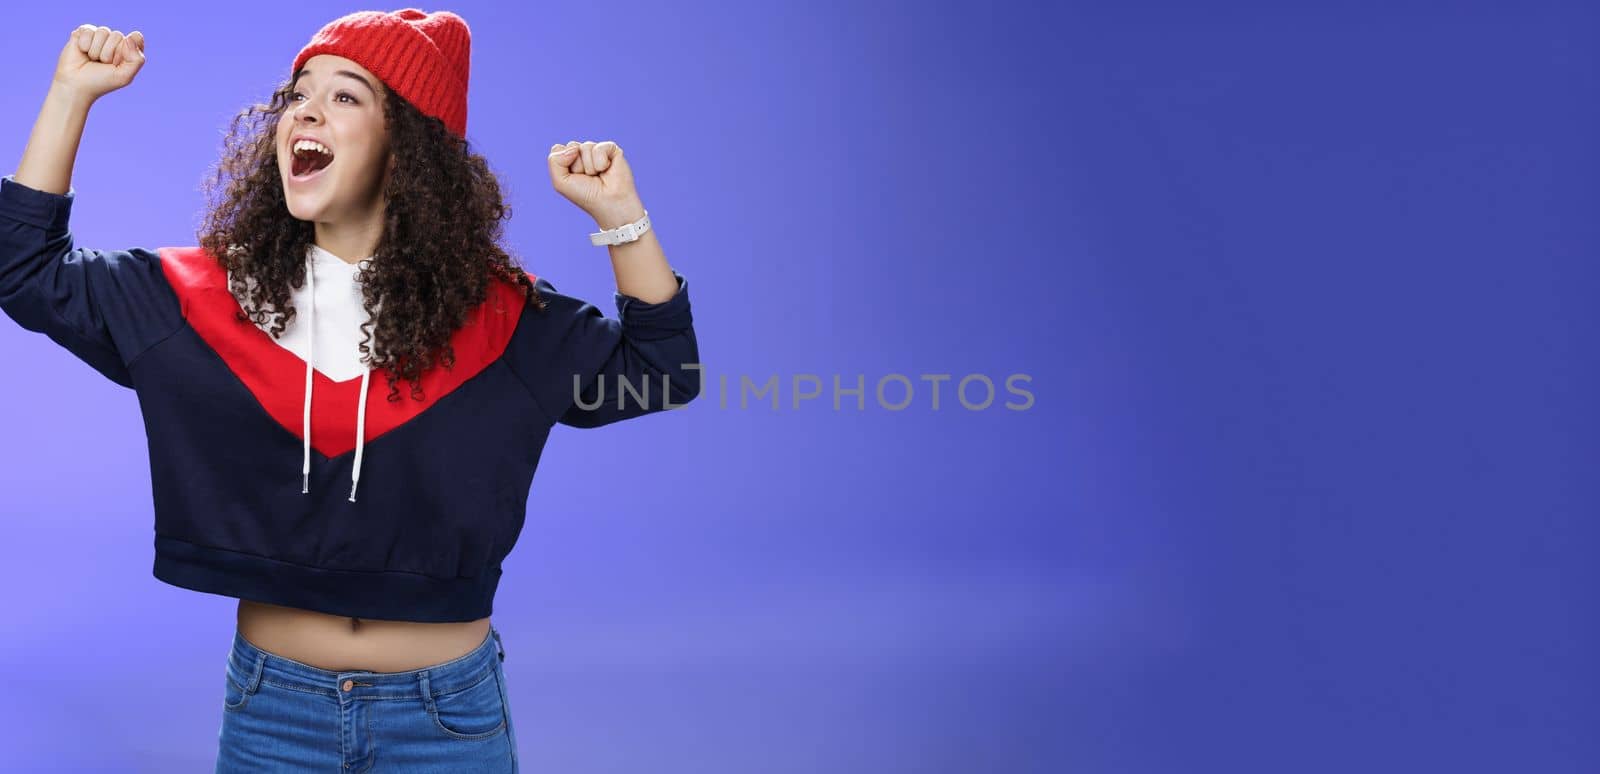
(347, 684)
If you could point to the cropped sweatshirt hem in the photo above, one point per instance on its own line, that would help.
(390, 595)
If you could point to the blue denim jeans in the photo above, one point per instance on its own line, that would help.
(281, 715)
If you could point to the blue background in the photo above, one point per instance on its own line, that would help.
(1306, 483)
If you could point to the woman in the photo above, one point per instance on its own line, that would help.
(355, 231)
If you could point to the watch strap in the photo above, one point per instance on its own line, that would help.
(622, 234)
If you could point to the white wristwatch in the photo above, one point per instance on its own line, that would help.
(624, 233)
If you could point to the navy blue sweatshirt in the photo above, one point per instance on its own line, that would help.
(359, 506)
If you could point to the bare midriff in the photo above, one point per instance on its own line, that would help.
(344, 644)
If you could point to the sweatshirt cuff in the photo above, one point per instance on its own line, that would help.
(35, 207)
(669, 316)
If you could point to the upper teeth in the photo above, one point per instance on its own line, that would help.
(312, 145)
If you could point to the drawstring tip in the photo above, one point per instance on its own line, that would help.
(305, 483)
(352, 491)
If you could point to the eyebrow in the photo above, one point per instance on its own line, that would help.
(345, 73)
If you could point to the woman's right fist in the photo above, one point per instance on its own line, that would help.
(99, 60)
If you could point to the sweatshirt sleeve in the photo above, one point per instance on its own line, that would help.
(591, 370)
(106, 307)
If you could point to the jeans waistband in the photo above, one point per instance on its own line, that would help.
(248, 665)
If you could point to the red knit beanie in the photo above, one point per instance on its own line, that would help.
(423, 57)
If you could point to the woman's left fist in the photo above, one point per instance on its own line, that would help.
(594, 176)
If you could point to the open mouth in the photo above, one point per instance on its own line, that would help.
(308, 159)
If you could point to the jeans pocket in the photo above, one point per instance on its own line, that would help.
(475, 712)
(234, 696)
(241, 682)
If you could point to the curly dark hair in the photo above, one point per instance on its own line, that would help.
(443, 210)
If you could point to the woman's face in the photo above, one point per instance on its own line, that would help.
(339, 104)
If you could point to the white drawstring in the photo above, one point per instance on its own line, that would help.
(361, 417)
(361, 408)
(311, 356)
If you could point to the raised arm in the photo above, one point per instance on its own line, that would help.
(105, 307)
(646, 359)
(95, 61)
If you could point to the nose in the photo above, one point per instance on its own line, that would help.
(305, 111)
